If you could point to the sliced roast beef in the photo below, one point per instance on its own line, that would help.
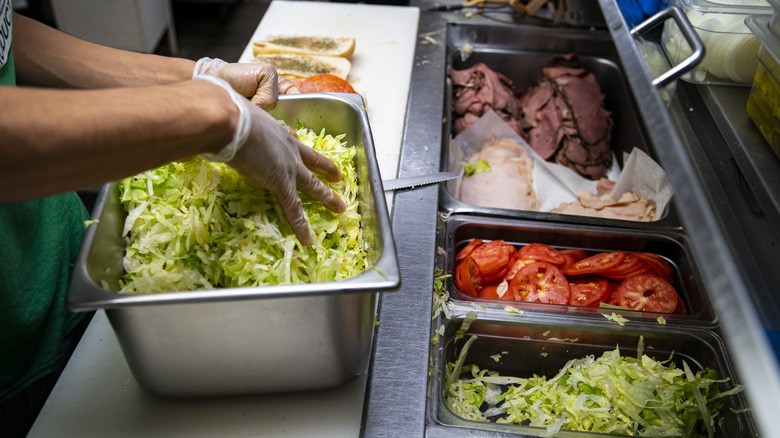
(565, 119)
(479, 89)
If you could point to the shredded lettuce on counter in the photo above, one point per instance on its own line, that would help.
(201, 225)
(609, 394)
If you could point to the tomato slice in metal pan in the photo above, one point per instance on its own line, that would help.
(589, 291)
(541, 253)
(648, 293)
(540, 282)
(596, 264)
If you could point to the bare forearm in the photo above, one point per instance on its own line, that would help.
(48, 57)
(58, 140)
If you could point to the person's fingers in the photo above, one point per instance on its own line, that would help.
(260, 82)
(309, 183)
(318, 163)
(287, 86)
(293, 210)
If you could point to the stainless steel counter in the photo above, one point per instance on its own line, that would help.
(726, 195)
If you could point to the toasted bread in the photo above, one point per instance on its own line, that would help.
(305, 45)
(304, 66)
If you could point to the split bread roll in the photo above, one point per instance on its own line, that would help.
(304, 66)
(305, 45)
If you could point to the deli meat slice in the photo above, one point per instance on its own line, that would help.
(479, 89)
(628, 207)
(508, 183)
(564, 118)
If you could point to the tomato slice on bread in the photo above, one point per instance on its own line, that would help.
(649, 293)
(540, 282)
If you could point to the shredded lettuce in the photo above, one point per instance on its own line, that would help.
(610, 394)
(478, 167)
(201, 225)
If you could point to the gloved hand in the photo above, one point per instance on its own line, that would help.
(271, 154)
(258, 81)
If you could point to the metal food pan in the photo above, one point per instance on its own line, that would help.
(460, 229)
(543, 346)
(248, 340)
(519, 52)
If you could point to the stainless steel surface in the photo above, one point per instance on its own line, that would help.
(248, 340)
(397, 378)
(397, 392)
(697, 46)
(708, 224)
(411, 182)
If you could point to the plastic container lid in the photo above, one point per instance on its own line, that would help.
(762, 105)
(759, 25)
(749, 7)
(774, 22)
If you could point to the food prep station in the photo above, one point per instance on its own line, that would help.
(719, 234)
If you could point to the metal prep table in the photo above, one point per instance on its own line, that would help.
(727, 184)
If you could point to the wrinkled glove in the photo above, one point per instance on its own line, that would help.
(258, 81)
(271, 154)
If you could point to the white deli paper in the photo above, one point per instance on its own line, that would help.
(556, 184)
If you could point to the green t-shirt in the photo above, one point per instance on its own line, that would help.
(39, 243)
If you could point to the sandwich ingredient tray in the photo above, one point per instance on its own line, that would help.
(461, 229)
(519, 53)
(248, 340)
(541, 346)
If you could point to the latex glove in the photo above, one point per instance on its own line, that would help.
(271, 154)
(259, 81)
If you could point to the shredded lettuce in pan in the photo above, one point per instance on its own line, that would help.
(201, 225)
(609, 394)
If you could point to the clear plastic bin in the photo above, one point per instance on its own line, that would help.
(763, 103)
(730, 48)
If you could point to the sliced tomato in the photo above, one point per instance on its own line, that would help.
(516, 267)
(680, 306)
(589, 291)
(612, 298)
(540, 282)
(648, 293)
(631, 265)
(325, 82)
(541, 253)
(494, 259)
(496, 291)
(467, 249)
(596, 264)
(467, 276)
(658, 265)
(573, 255)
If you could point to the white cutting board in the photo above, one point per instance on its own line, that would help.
(381, 65)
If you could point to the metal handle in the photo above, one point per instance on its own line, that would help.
(688, 33)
